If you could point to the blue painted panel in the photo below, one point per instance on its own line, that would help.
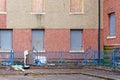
(6, 39)
(38, 39)
(112, 24)
(76, 39)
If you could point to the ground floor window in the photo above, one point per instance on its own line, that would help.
(38, 39)
(76, 40)
(5, 39)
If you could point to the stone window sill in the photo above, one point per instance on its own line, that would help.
(3, 12)
(75, 51)
(111, 37)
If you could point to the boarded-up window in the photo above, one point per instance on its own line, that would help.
(38, 39)
(76, 40)
(76, 6)
(38, 6)
(5, 39)
(112, 24)
(2, 5)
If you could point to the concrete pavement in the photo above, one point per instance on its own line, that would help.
(90, 71)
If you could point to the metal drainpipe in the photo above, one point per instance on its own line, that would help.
(99, 24)
(0, 39)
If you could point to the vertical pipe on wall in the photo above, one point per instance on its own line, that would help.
(99, 24)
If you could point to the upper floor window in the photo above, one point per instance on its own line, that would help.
(112, 24)
(76, 6)
(38, 6)
(2, 6)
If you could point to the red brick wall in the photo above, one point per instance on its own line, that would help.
(2, 21)
(57, 39)
(21, 39)
(109, 7)
(90, 38)
(60, 39)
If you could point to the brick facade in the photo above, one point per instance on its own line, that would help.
(90, 38)
(2, 20)
(54, 40)
(57, 39)
(21, 39)
(57, 23)
(111, 6)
